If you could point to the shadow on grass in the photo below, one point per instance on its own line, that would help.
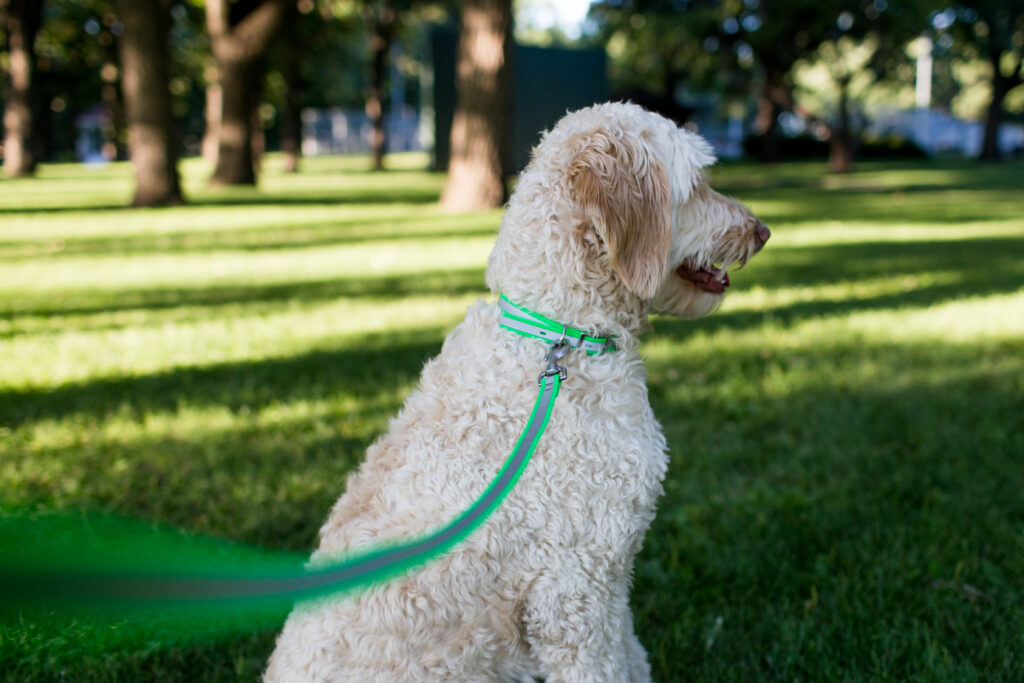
(833, 516)
(823, 518)
(304, 236)
(888, 210)
(245, 661)
(921, 177)
(342, 195)
(441, 282)
(794, 313)
(975, 267)
(835, 263)
(377, 364)
(977, 193)
(257, 383)
(339, 197)
(209, 480)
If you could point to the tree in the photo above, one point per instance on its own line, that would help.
(995, 29)
(145, 63)
(240, 34)
(776, 35)
(21, 22)
(756, 43)
(869, 48)
(381, 21)
(475, 179)
(733, 47)
(656, 48)
(385, 21)
(294, 87)
(77, 64)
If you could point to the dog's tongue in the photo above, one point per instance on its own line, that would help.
(704, 278)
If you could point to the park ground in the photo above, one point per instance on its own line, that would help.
(844, 500)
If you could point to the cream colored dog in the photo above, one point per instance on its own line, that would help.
(613, 219)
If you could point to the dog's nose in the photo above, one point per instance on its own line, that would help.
(761, 234)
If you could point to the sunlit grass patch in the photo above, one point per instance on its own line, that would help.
(70, 356)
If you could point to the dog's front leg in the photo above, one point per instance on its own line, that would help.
(580, 629)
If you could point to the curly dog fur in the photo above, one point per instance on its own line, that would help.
(613, 219)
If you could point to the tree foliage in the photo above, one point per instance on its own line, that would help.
(752, 49)
(992, 31)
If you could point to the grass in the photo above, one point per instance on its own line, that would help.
(844, 500)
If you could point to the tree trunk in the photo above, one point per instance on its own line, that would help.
(234, 133)
(291, 120)
(774, 99)
(238, 48)
(258, 141)
(1001, 85)
(840, 156)
(382, 21)
(22, 20)
(145, 61)
(211, 133)
(113, 99)
(766, 125)
(475, 179)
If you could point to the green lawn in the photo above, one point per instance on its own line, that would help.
(846, 494)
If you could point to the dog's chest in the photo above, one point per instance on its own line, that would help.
(601, 465)
(600, 461)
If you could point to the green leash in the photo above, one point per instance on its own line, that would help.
(359, 569)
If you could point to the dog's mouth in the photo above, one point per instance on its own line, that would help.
(710, 279)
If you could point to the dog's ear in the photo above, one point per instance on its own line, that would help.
(625, 193)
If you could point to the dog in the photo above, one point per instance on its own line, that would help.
(612, 220)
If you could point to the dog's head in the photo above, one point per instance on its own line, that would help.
(622, 194)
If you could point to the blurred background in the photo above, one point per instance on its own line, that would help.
(231, 233)
(761, 80)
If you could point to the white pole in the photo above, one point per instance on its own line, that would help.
(923, 89)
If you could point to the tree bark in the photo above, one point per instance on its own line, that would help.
(211, 117)
(22, 19)
(1001, 85)
(291, 119)
(145, 63)
(475, 179)
(381, 20)
(840, 156)
(238, 48)
(113, 98)
(774, 99)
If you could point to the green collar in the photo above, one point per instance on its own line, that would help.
(522, 320)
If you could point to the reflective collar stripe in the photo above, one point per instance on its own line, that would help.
(529, 324)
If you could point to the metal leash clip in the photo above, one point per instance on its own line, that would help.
(556, 353)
